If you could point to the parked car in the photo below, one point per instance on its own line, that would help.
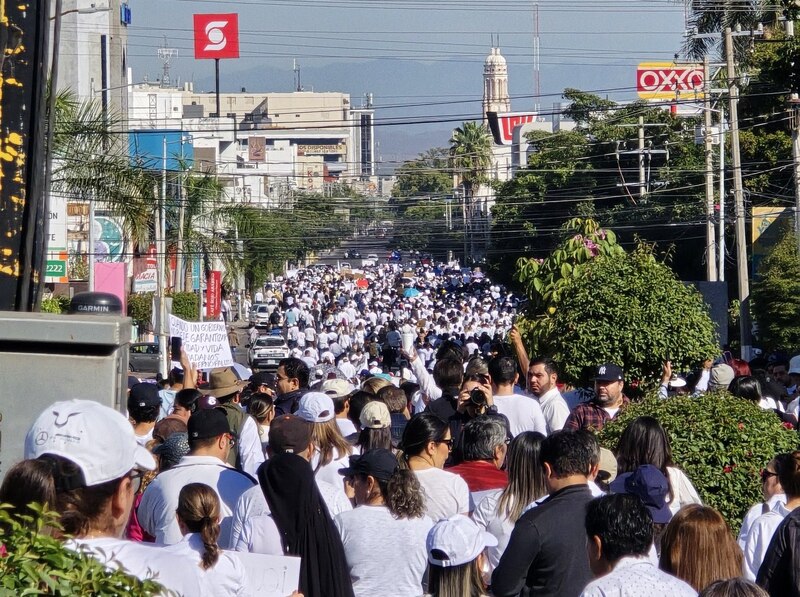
(373, 257)
(267, 351)
(143, 357)
(259, 315)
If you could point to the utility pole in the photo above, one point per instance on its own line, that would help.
(794, 106)
(642, 179)
(721, 229)
(738, 196)
(711, 253)
(161, 255)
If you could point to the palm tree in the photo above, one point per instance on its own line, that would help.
(714, 16)
(470, 158)
(89, 163)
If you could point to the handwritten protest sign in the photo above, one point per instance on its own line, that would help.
(205, 342)
(270, 576)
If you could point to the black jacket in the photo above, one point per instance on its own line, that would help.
(546, 554)
(287, 404)
(779, 574)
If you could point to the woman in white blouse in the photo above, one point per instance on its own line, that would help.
(645, 442)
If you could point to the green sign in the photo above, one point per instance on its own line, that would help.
(56, 268)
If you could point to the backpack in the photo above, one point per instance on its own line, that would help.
(236, 418)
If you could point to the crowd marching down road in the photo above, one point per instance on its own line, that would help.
(395, 438)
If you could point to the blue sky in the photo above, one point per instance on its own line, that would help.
(421, 60)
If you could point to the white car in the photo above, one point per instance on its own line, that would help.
(373, 257)
(345, 265)
(259, 315)
(267, 351)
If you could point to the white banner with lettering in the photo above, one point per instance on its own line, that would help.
(270, 576)
(205, 342)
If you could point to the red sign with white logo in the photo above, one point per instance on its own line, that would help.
(503, 125)
(216, 36)
(665, 80)
(213, 294)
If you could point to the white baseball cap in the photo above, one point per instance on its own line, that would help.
(456, 540)
(315, 407)
(794, 365)
(336, 388)
(95, 437)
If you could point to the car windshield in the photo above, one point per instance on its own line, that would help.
(269, 342)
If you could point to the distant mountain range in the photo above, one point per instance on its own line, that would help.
(417, 103)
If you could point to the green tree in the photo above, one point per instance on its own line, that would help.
(776, 296)
(471, 156)
(627, 308)
(428, 174)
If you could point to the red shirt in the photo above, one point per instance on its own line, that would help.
(480, 475)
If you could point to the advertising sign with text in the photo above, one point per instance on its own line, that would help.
(213, 294)
(667, 80)
(503, 125)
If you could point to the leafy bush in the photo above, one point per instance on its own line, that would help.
(55, 304)
(721, 442)
(35, 563)
(629, 309)
(140, 309)
(184, 305)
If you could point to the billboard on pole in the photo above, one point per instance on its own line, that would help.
(502, 125)
(216, 36)
(667, 80)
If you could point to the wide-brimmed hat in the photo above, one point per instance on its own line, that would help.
(223, 382)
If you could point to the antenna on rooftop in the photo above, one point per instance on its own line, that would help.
(166, 55)
(296, 69)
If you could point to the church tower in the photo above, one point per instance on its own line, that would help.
(495, 84)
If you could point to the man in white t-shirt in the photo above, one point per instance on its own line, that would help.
(523, 412)
(542, 380)
(210, 439)
(339, 390)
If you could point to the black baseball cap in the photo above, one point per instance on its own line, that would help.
(206, 423)
(379, 463)
(143, 395)
(263, 378)
(609, 372)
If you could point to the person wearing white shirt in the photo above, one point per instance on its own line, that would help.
(209, 441)
(523, 413)
(198, 518)
(144, 407)
(427, 443)
(96, 467)
(384, 536)
(772, 492)
(618, 557)
(331, 449)
(764, 527)
(542, 383)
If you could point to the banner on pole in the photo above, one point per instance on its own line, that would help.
(213, 295)
(205, 342)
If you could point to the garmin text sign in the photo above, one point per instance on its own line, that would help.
(666, 80)
(216, 36)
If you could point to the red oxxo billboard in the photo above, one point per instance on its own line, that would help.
(216, 36)
(667, 80)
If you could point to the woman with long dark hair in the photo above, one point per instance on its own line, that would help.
(198, 515)
(426, 446)
(384, 536)
(498, 512)
(376, 423)
(644, 441)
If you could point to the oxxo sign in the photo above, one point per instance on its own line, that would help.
(666, 80)
(216, 36)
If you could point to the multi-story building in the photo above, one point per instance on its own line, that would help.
(265, 146)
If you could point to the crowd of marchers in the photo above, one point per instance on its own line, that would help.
(408, 446)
